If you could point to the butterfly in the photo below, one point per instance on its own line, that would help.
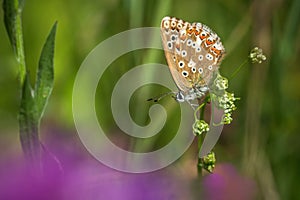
(194, 53)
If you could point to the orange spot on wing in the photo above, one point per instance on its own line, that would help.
(209, 42)
(218, 52)
(202, 37)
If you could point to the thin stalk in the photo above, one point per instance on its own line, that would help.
(238, 69)
(200, 137)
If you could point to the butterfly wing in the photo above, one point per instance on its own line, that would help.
(195, 52)
(170, 37)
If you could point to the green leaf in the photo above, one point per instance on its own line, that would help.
(28, 124)
(45, 73)
(12, 14)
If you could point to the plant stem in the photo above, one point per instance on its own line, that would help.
(200, 137)
(28, 125)
(20, 48)
(199, 167)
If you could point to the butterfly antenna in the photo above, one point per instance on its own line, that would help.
(159, 97)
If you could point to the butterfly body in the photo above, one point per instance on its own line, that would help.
(193, 52)
(191, 94)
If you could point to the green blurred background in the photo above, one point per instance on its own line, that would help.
(263, 140)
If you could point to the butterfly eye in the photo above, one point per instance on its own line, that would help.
(210, 67)
(183, 53)
(189, 42)
(198, 49)
(200, 57)
(179, 97)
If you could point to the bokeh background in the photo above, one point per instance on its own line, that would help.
(261, 146)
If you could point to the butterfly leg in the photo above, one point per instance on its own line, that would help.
(193, 105)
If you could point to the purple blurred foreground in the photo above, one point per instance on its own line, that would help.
(226, 183)
(85, 178)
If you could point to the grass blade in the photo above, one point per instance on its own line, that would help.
(45, 73)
